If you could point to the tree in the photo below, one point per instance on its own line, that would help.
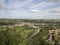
(9, 37)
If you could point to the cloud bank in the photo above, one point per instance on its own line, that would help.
(35, 9)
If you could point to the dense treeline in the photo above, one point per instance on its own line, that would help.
(6, 23)
(30, 20)
(9, 37)
(20, 35)
(15, 36)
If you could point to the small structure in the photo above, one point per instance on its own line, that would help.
(52, 34)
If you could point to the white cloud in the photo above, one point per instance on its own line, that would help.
(39, 4)
(13, 4)
(18, 5)
(3, 5)
(53, 0)
(42, 4)
(34, 11)
(54, 11)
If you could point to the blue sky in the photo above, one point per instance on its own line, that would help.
(32, 9)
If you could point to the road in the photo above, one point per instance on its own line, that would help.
(34, 33)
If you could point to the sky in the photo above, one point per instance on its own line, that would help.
(30, 9)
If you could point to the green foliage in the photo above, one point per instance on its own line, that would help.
(20, 35)
(14, 36)
(9, 37)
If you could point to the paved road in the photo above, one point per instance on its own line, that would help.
(34, 33)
